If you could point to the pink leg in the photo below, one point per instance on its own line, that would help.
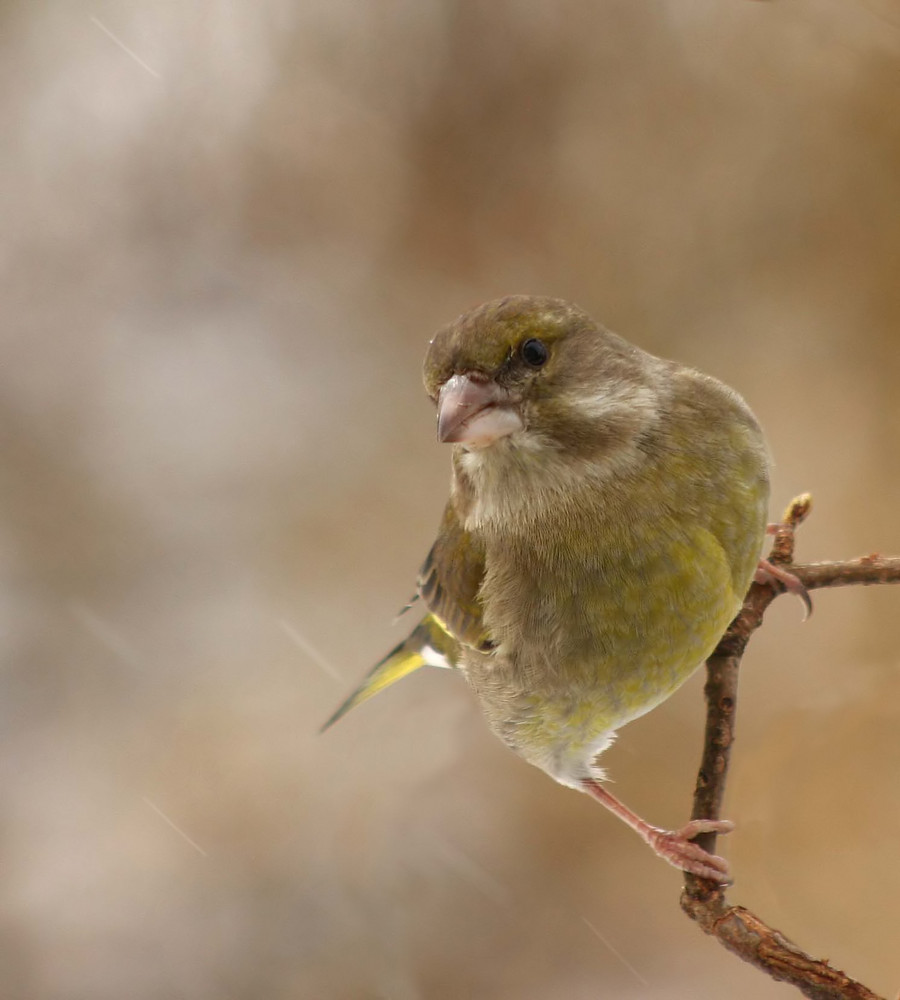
(673, 846)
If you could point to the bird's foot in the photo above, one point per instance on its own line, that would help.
(673, 846)
(773, 572)
(676, 847)
(778, 578)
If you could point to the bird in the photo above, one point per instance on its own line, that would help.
(606, 517)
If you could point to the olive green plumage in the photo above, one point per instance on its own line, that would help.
(606, 516)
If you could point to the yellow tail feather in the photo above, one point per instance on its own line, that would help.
(398, 663)
(429, 643)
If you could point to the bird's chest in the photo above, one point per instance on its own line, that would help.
(602, 607)
(561, 581)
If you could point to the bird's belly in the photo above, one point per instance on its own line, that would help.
(584, 657)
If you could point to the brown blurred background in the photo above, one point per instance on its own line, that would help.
(228, 233)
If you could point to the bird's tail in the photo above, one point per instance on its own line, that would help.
(427, 645)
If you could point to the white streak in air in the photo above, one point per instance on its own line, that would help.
(125, 48)
(472, 872)
(310, 650)
(614, 952)
(177, 829)
(103, 632)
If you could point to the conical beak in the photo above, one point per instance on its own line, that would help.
(475, 412)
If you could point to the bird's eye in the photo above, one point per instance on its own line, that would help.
(534, 353)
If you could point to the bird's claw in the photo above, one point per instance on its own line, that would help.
(777, 577)
(677, 847)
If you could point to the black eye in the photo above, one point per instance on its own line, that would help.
(534, 352)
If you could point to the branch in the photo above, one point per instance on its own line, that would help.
(736, 928)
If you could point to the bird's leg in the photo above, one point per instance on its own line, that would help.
(775, 576)
(673, 846)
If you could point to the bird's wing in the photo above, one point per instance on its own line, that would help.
(448, 584)
(450, 580)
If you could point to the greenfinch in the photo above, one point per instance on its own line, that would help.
(607, 511)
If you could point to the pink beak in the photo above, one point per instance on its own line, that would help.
(475, 412)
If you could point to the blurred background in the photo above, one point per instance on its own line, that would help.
(229, 230)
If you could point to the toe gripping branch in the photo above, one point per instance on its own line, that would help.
(772, 572)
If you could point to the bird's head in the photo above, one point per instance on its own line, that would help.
(541, 372)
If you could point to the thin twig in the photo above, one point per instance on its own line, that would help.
(739, 930)
(865, 570)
